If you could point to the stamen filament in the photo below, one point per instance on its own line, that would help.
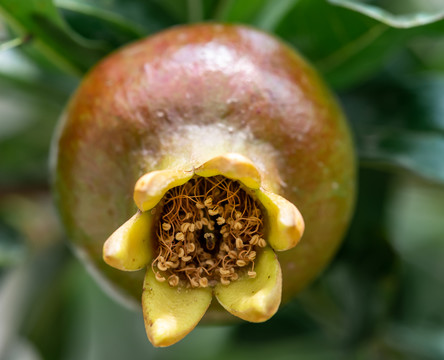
(209, 231)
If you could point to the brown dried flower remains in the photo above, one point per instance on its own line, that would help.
(209, 231)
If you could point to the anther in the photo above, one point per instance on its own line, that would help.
(166, 226)
(254, 239)
(262, 242)
(159, 277)
(225, 247)
(162, 266)
(237, 225)
(194, 282)
(184, 227)
(213, 212)
(252, 274)
(199, 205)
(203, 282)
(256, 212)
(232, 254)
(209, 236)
(191, 247)
(180, 236)
(241, 263)
(224, 271)
(252, 255)
(224, 281)
(174, 257)
(173, 280)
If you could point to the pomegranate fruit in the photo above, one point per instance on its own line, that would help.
(189, 164)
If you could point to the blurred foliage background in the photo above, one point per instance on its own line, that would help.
(381, 298)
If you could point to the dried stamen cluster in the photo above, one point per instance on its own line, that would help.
(208, 232)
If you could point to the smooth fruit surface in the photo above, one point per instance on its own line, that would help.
(186, 95)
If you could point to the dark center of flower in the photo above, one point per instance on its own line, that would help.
(208, 232)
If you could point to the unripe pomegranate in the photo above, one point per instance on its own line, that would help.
(187, 166)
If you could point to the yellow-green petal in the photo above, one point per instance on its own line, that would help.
(170, 313)
(128, 248)
(232, 166)
(151, 187)
(254, 299)
(285, 222)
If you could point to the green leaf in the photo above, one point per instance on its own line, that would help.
(416, 224)
(31, 100)
(25, 135)
(347, 46)
(420, 13)
(272, 12)
(13, 249)
(429, 51)
(426, 108)
(415, 152)
(264, 14)
(10, 44)
(399, 124)
(114, 22)
(41, 20)
(177, 9)
(416, 343)
(239, 11)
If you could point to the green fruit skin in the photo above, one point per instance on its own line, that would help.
(171, 99)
